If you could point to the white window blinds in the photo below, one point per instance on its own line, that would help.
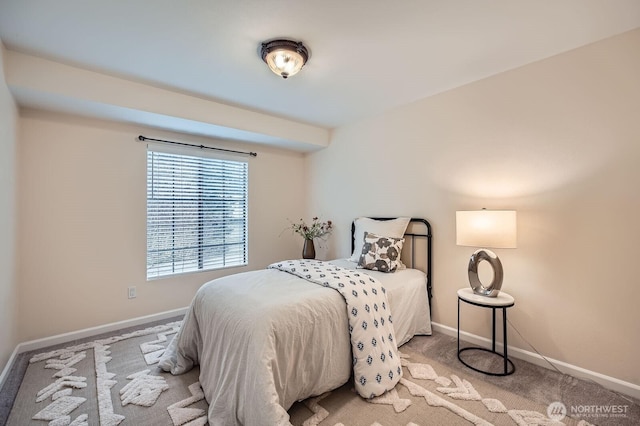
(196, 213)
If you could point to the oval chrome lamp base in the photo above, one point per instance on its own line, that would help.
(493, 289)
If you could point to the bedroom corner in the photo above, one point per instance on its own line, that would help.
(8, 217)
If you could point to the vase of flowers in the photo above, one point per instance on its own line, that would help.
(308, 250)
(317, 229)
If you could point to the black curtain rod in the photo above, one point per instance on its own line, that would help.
(144, 138)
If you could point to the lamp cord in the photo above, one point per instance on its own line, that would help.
(565, 375)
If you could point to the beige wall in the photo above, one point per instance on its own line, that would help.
(8, 142)
(82, 229)
(557, 140)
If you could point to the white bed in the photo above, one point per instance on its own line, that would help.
(265, 339)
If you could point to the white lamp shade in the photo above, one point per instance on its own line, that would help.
(486, 228)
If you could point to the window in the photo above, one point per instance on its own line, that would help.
(196, 213)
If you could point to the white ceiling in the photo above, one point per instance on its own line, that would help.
(366, 55)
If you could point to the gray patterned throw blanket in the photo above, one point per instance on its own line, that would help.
(376, 363)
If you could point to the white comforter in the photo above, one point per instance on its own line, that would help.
(265, 339)
(376, 362)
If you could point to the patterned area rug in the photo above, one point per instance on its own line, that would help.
(116, 381)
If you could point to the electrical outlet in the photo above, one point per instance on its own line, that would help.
(132, 292)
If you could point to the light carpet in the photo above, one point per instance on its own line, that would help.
(116, 380)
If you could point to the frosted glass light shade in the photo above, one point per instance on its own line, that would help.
(486, 228)
(284, 57)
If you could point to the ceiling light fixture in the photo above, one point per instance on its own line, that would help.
(284, 57)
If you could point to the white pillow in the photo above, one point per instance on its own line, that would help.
(389, 228)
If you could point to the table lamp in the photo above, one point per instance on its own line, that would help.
(486, 229)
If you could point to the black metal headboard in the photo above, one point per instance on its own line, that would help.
(413, 235)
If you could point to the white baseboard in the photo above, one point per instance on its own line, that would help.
(7, 368)
(608, 382)
(81, 334)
